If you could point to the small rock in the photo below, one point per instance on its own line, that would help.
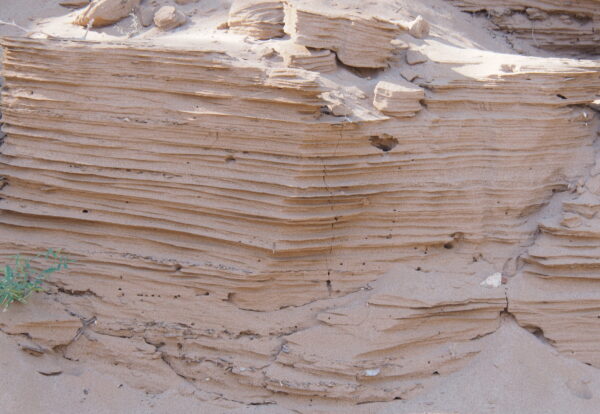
(595, 105)
(146, 15)
(418, 28)
(409, 74)
(105, 12)
(414, 57)
(339, 109)
(399, 44)
(336, 105)
(168, 18)
(398, 99)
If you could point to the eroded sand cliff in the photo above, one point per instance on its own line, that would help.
(294, 206)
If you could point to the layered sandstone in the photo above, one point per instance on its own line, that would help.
(558, 293)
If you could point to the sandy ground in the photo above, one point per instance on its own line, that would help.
(517, 373)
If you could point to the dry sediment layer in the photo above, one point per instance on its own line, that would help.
(230, 229)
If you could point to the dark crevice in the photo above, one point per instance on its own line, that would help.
(384, 142)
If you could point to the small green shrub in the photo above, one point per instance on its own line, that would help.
(22, 279)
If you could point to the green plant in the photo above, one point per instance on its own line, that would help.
(22, 279)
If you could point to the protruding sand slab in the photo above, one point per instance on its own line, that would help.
(318, 60)
(358, 41)
(399, 99)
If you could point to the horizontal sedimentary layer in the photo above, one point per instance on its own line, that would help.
(203, 155)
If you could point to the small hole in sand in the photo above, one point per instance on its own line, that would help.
(384, 142)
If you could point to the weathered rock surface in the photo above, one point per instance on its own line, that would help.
(414, 57)
(419, 27)
(105, 12)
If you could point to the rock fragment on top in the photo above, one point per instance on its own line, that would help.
(261, 19)
(102, 13)
(414, 57)
(359, 41)
(168, 18)
(419, 27)
(316, 60)
(401, 99)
